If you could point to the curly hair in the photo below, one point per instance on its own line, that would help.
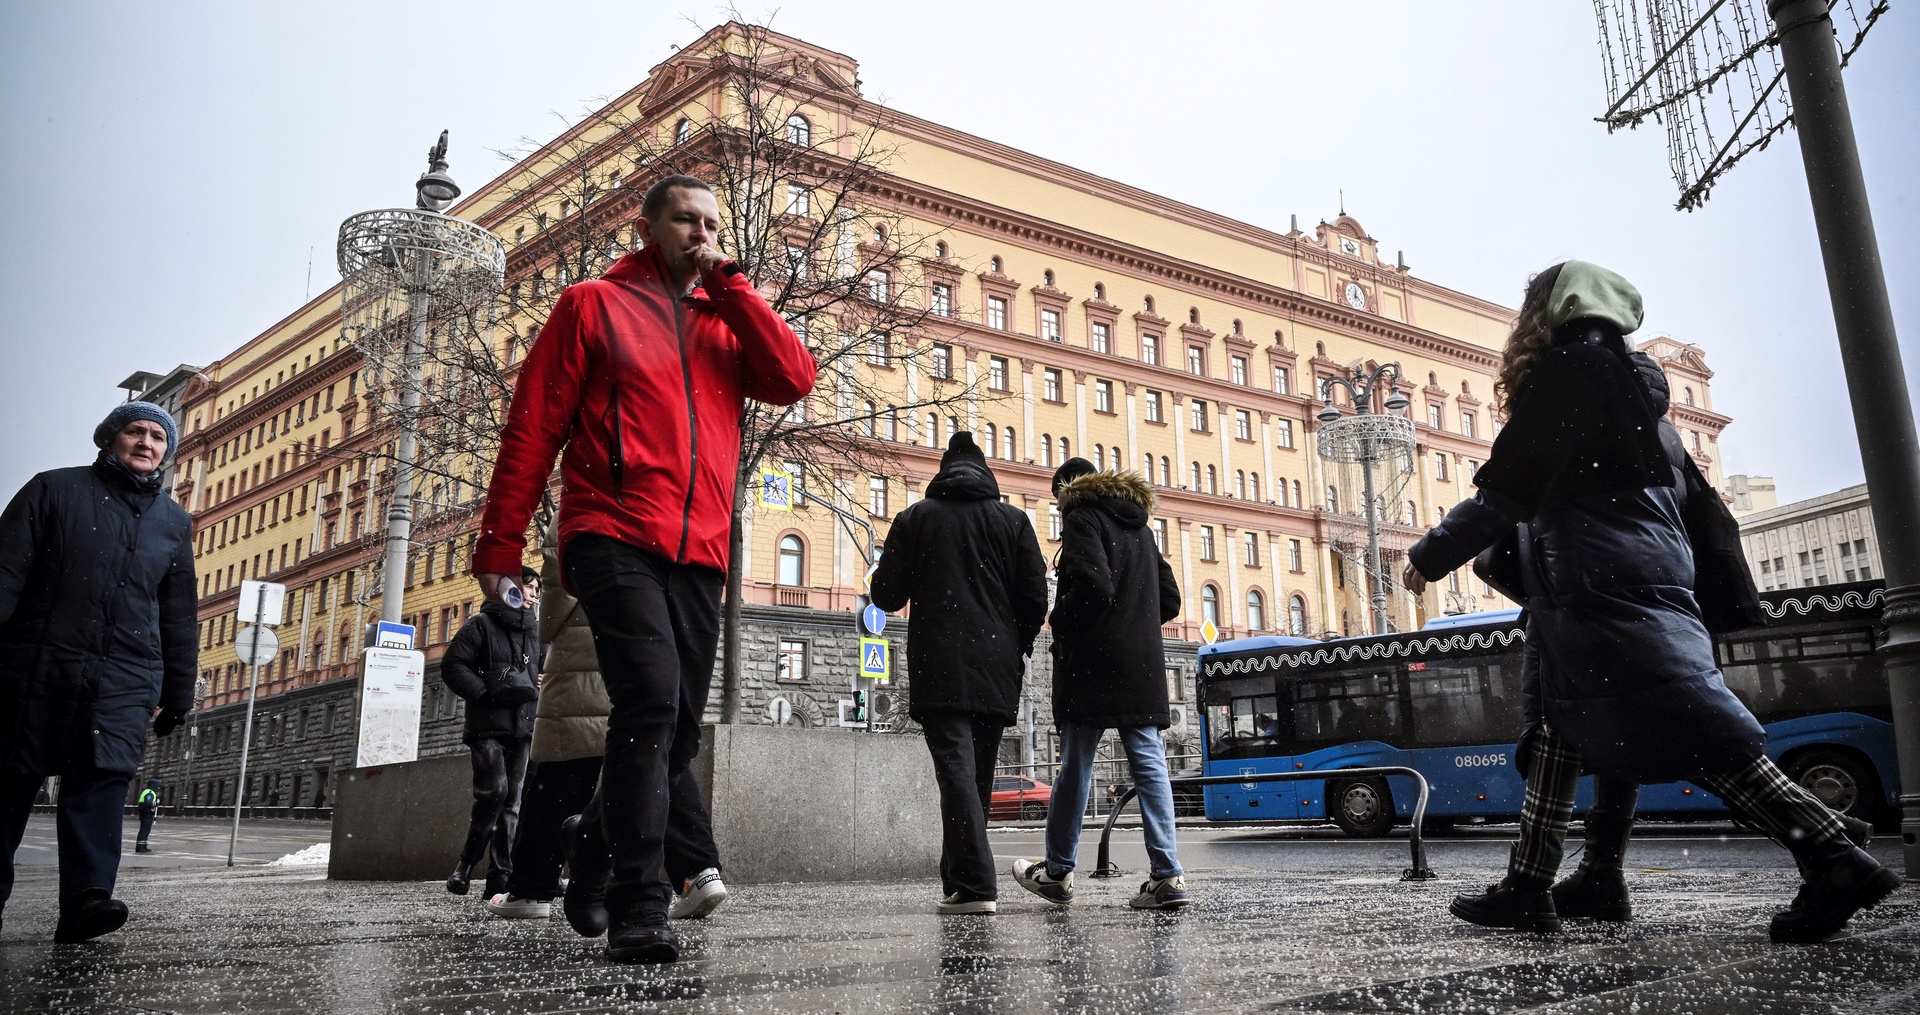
(1531, 337)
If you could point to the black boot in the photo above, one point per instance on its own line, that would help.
(643, 938)
(1598, 889)
(457, 881)
(585, 900)
(1509, 904)
(1841, 880)
(92, 914)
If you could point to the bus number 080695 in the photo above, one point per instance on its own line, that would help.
(1478, 760)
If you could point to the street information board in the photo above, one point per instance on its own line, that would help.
(390, 686)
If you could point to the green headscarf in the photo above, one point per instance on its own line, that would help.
(1585, 289)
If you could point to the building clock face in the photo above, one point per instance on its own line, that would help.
(1349, 247)
(1356, 296)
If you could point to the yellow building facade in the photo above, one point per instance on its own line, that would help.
(1084, 317)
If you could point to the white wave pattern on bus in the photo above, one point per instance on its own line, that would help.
(1831, 604)
(1475, 641)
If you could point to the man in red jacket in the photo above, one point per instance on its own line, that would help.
(640, 376)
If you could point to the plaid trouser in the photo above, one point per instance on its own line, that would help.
(1785, 810)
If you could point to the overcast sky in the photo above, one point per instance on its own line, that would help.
(172, 170)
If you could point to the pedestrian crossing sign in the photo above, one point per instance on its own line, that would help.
(875, 659)
(776, 490)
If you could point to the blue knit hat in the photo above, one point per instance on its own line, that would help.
(127, 412)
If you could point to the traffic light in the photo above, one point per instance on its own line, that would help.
(859, 706)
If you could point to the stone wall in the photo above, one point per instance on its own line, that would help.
(304, 738)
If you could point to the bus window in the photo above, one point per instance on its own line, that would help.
(1245, 727)
(1781, 678)
(1343, 708)
(1465, 702)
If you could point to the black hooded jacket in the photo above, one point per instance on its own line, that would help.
(1115, 590)
(971, 566)
(499, 636)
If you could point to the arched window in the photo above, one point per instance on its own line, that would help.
(1046, 278)
(867, 414)
(1688, 394)
(1194, 482)
(1066, 450)
(1046, 450)
(1297, 617)
(1146, 467)
(1240, 483)
(682, 131)
(1099, 291)
(799, 131)
(994, 264)
(1256, 610)
(1193, 315)
(1333, 500)
(1236, 325)
(793, 561)
(1298, 501)
(1213, 484)
(1210, 603)
(991, 445)
(940, 249)
(1147, 304)
(1007, 445)
(1253, 485)
(933, 430)
(1099, 456)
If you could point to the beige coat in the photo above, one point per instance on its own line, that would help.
(570, 721)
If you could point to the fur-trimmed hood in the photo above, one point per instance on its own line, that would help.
(1125, 495)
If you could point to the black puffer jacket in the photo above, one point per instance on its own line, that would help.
(98, 621)
(1625, 665)
(498, 637)
(971, 566)
(1115, 590)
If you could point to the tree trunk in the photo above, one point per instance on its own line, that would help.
(730, 617)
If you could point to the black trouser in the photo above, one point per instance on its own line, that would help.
(88, 823)
(964, 748)
(499, 769)
(146, 826)
(556, 791)
(656, 625)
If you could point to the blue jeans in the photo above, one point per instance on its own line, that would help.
(1148, 760)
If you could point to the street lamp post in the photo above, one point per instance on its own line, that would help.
(1361, 386)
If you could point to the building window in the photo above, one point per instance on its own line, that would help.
(942, 365)
(877, 494)
(997, 313)
(1101, 337)
(877, 287)
(1860, 557)
(1050, 325)
(1166, 471)
(1281, 382)
(793, 559)
(1150, 350)
(997, 373)
(1213, 485)
(1237, 369)
(793, 660)
(1297, 616)
(1468, 424)
(1193, 482)
(1050, 385)
(1256, 610)
(1333, 500)
(1198, 415)
(1689, 395)
(1006, 445)
(1294, 563)
(879, 349)
(1206, 542)
(1440, 466)
(1434, 419)
(1103, 396)
(940, 303)
(1243, 424)
(1283, 432)
(1053, 522)
(1046, 450)
(798, 130)
(1253, 483)
(1820, 567)
(682, 131)
(1806, 569)
(1251, 543)
(1240, 483)
(1160, 535)
(1196, 361)
(799, 200)
(1210, 603)
(1154, 412)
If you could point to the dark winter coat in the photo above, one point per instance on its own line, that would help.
(971, 566)
(1625, 665)
(1114, 591)
(498, 637)
(98, 618)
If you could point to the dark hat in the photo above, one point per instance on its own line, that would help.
(528, 574)
(1070, 470)
(127, 412)
(960, 447)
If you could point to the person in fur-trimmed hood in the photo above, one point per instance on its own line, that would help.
(1109, 672)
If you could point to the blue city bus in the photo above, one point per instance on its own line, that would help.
(1445, 700)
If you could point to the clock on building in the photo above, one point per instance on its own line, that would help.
(1349, 246)
(1356, 296)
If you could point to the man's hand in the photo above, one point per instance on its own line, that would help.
(490, 585)
(1415, 582)
(707, 257)
(167, 721)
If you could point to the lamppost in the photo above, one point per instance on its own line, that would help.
(1365, 439)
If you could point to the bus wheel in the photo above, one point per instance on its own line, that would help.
(1363, 808)
(1033, 811)
(1840, 781)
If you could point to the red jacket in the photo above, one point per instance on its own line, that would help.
(644, 391)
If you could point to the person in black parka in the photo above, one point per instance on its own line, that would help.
(499, 640)
(1115, 589)
(971, 566)
(98, 630)
(1626, 678)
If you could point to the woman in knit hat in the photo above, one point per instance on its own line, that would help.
(98, 632)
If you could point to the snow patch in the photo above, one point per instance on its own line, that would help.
(315, 855)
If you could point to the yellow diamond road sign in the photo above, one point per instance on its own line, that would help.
(1209, 632)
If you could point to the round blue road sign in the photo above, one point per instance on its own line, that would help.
(873, 620)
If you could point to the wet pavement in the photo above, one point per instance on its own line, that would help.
(1282, 922)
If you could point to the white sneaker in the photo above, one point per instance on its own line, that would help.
(1162, 893)
(701, 894)
(961, 905)
(1032, 875)
(512, 907)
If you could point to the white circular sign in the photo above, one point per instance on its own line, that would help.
(256, 645)
(779, 710)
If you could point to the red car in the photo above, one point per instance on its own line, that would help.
(1016, 796)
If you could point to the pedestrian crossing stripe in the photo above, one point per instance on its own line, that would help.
(874, 659)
